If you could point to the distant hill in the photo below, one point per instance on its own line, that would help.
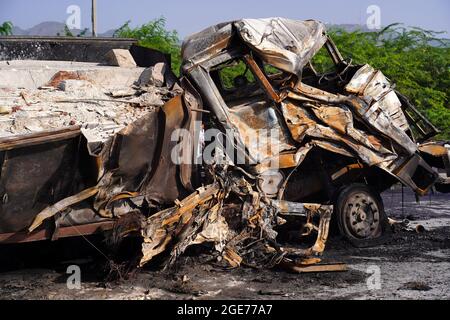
(17, 31)
(349, 27)
(52, 28)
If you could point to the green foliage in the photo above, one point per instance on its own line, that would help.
(416, 60)
(67, 31)
(155, 35)
(230, 72)
(83, 32)
(6, 28)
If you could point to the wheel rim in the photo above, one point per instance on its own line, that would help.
(362, 216)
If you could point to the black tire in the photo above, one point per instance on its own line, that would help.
(360, 216)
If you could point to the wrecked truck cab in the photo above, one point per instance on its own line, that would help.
(339, 138)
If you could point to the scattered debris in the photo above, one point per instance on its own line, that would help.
(314, 267)
(120, 58)
(75, 85)
(60, 76)
(405, 225)
(272, 293)
(153, 76)
(415, 285)
(5, 110)
(199, 218)
(99, 111)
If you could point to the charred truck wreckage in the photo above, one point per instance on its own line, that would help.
(205, 160)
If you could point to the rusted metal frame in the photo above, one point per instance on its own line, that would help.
(186, 206)
(200, 75)
(52, 210)
(237, 142)
(39, 138)
(179, 221)
(289, 208)
(260, 76)
(202, 59)
(200, 110)
(446, 160)
(362, 111)
(434, 149)
(172, 116)
(333, 51)
(281, 161)
(408, 107)
(330, 267)
(210, 62)
(185, 168)
(346, 170)
(325, 213)
(317, 94)
(414, 123)
(63, 232)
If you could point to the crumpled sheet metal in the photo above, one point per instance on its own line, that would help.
(368, 82)
(337, 126)
(436, 149)
(324, 116)
(60, 206)
(384, 109)
(160, 229)
(373, 115)
(125, 166)
(283, 43)
(200, 218)
(206, 43)
(371, 112)
(252, 118)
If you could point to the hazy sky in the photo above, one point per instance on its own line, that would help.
(188, 16)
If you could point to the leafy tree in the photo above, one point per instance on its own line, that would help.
(155, 35)
(6, 28)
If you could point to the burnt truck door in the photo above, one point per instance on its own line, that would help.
(250, 103)
(244, 102)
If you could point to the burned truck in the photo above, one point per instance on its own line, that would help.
(256, 138)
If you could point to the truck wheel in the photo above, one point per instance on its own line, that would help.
(360, 216)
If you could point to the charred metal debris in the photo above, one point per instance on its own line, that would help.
(338, 139)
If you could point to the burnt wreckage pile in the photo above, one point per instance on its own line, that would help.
(337, 140)
(236, 217)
